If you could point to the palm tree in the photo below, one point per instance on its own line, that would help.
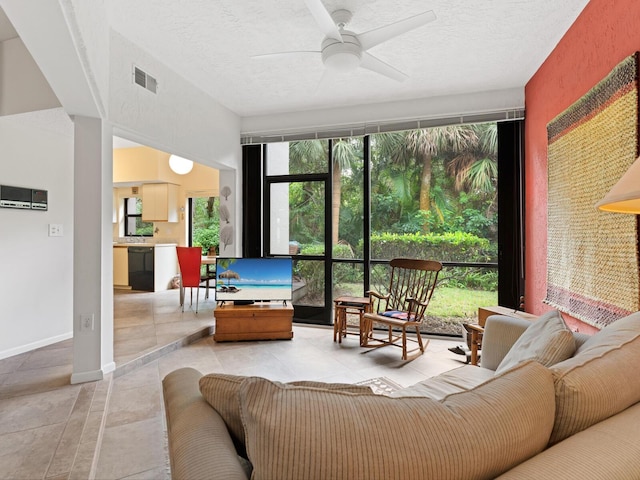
(425, 143)
(477, 168)
(422, 145)
(305, 156)
(307, 153)
(393, 161)
(344, 154)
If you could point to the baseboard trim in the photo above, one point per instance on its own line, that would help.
(83, 377)
(32, 346)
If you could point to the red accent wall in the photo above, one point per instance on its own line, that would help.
(604, 34)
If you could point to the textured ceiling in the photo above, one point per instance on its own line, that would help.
(472, 46)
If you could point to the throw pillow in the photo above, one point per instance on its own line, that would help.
(221, 392)
(548, 341)
(398, 314)
(311, 433)
(600, 380)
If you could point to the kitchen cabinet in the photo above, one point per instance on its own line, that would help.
(165, 266)
(159, 202)
(120, 266)
(161, 265)
(115, 206)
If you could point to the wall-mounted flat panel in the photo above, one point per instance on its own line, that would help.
(39, 199)
(24, 198)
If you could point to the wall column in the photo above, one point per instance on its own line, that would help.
(230, 231)
(92, 250)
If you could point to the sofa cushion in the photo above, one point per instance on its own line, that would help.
(599, 380)
(301, 432)
(221, 392)
(454, 381)
(548, 341)
(607, 450)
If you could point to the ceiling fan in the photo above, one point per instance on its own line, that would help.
(345, 51)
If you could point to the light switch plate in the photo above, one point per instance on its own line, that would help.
(86, 322)
(55, 230)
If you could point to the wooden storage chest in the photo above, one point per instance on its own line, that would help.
(258, 321)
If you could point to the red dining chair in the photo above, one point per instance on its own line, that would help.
(189, 259)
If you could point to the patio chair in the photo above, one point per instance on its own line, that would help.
(403, 306)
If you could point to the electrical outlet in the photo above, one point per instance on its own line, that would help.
(86, 322)
(55, 230)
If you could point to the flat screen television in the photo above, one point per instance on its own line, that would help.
(247, 280)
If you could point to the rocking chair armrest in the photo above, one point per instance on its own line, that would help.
(473, 327)
(413, 301)
(373, 293)
(416, 307)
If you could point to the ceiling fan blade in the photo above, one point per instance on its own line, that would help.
(323, 19)
(323, 83)
(376, 65)
(382, 34)
(285, 54)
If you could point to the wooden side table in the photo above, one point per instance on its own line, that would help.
(350, 305)
(477, 330)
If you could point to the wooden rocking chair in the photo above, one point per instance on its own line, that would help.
(404, 306)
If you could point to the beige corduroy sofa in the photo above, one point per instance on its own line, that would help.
(510, 418)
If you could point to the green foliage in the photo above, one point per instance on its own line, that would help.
(453, 302)
(144, 229)
(445, 247)
(343, 251)
(306, 201)
(206, 239)
(448, 246)
(206, 223)
(453, 247)
(308, 156)
(312, 271)
(455, 165)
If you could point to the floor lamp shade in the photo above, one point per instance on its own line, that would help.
(180, 165)
(624, 197)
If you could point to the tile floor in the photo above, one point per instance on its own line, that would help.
(115, 428)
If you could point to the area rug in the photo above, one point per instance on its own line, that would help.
(592, 270)
(381, 385)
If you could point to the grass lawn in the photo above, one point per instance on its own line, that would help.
(449, 308)
(459, 302)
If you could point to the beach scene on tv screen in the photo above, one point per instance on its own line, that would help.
(253, 279)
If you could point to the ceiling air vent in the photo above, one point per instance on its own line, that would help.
(145, 80)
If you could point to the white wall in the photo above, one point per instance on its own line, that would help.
(467, 104)
(178, 119)
(23, 88)
(36, 271)
(36, 274)
(278, 158)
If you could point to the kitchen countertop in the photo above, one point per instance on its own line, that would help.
(145, 244)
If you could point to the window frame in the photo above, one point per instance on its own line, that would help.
(128, 216)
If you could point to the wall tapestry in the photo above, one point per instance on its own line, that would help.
(592, 257)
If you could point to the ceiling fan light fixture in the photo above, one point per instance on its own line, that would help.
(342, 56)
(180, 165)
(343, 62)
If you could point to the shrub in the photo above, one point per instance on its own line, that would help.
(453, 247)
(205, 238)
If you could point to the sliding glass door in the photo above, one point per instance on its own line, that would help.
(296, 192)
